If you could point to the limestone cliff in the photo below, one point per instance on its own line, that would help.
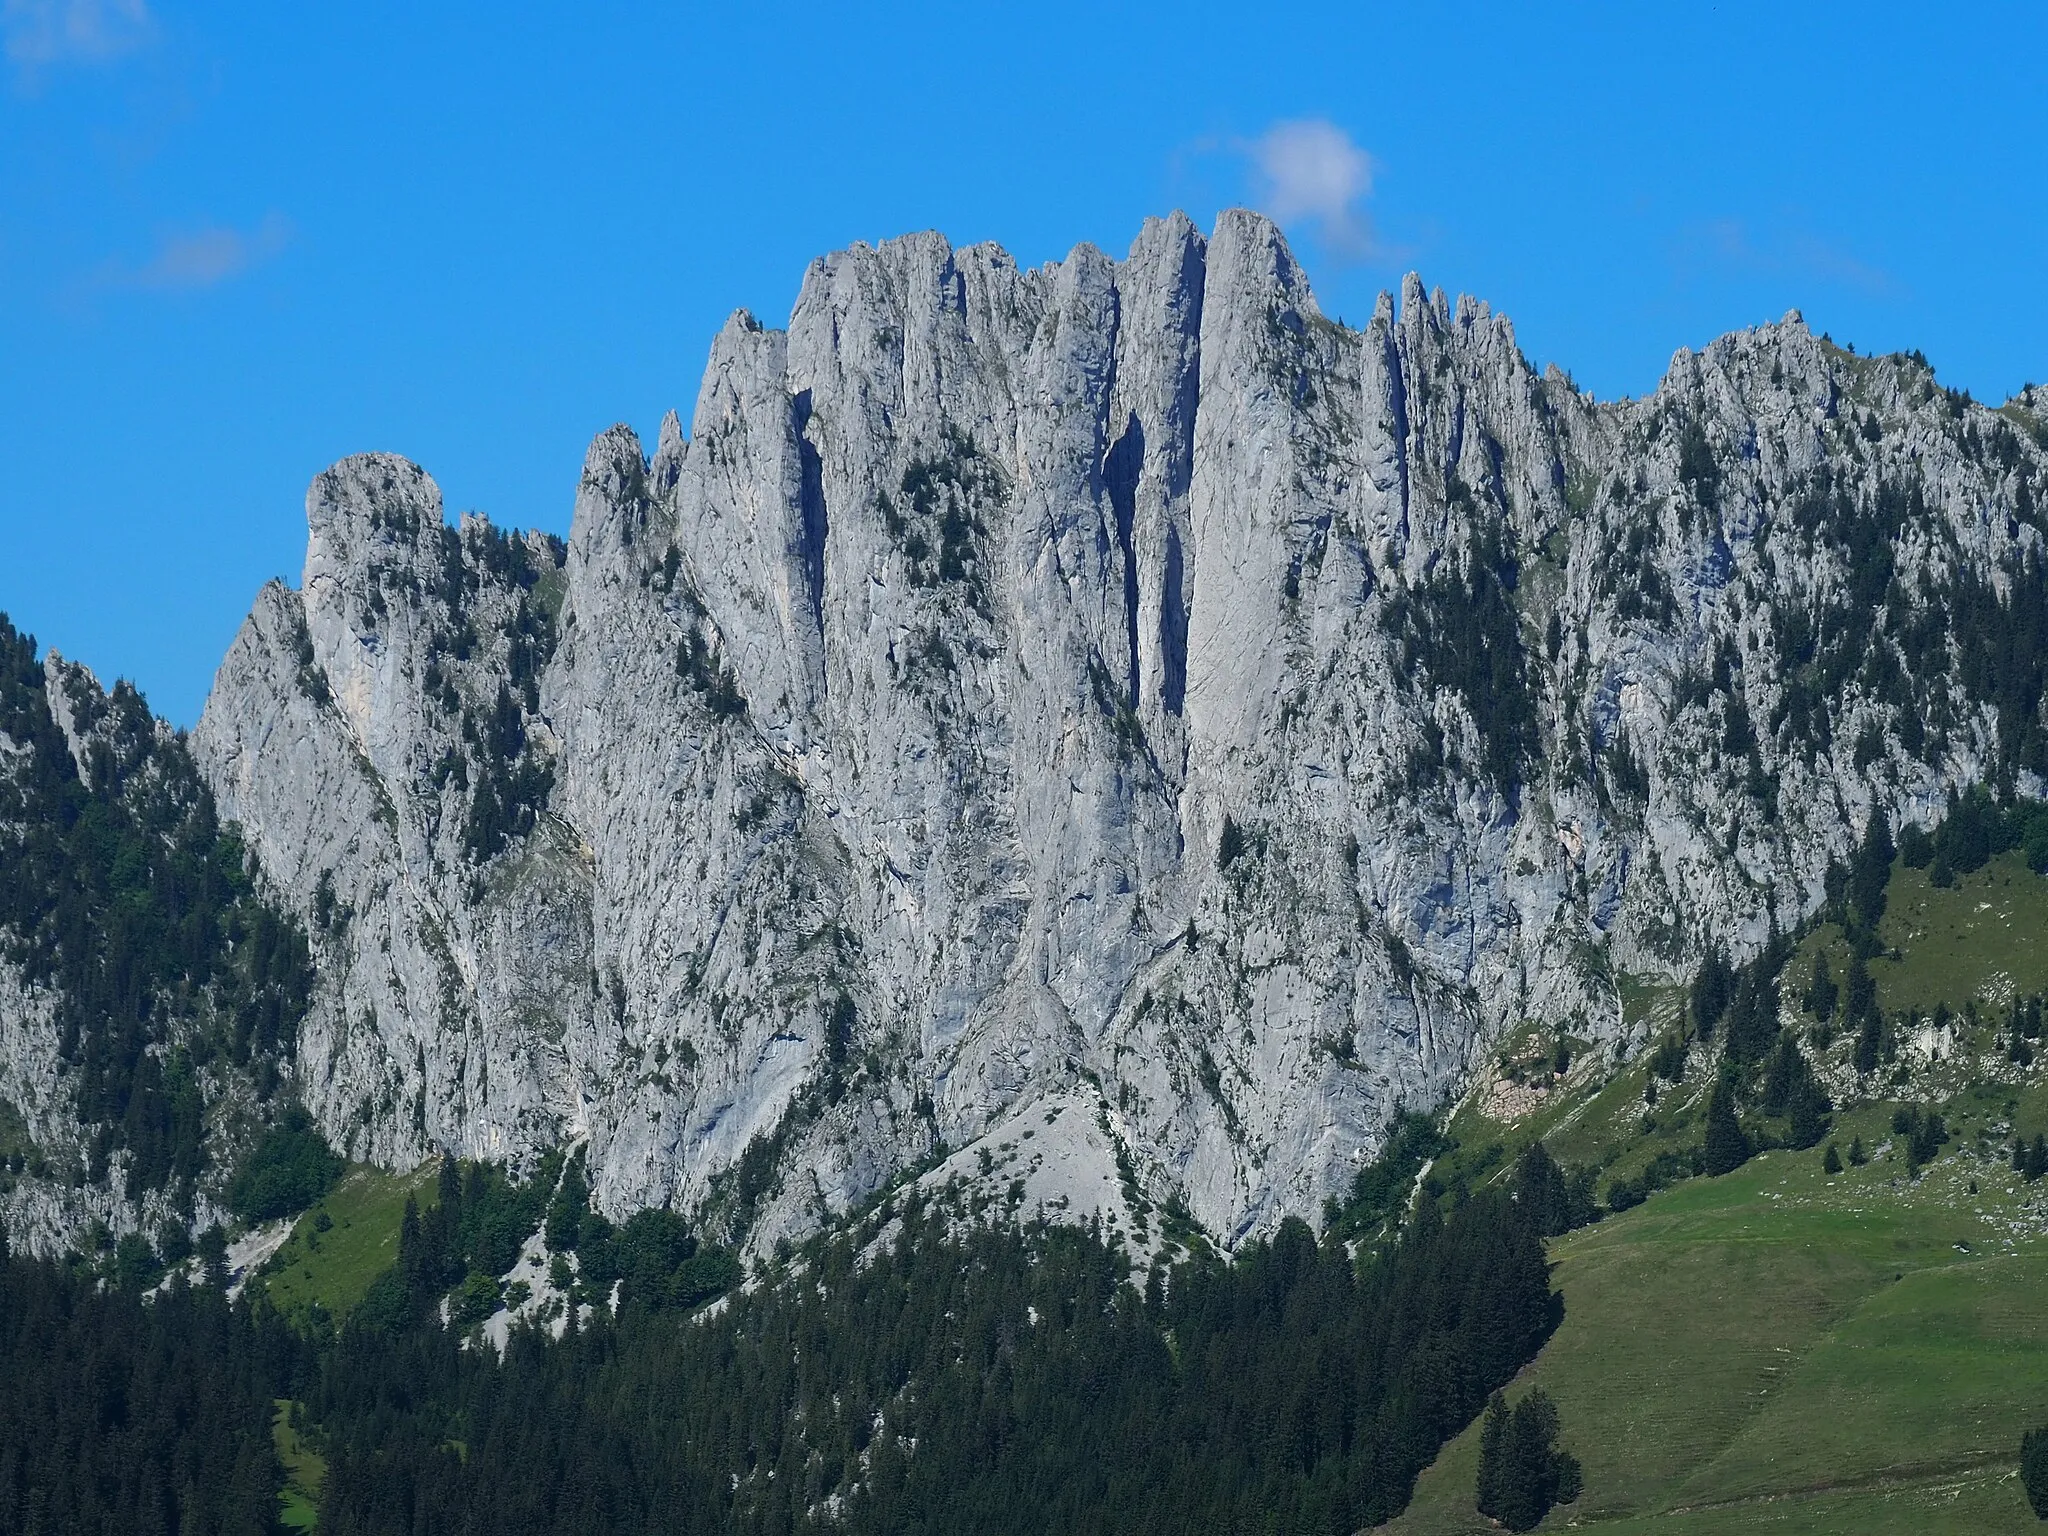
(1112, 676)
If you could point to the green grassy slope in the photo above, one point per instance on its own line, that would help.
(1779, 1347)
(1783, 1350)
(305, 1471)
(1987, 935)
(332, 1270)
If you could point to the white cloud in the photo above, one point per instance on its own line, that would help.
(44, 32)
(1779, 249)
(201, 258)
(1311, 171)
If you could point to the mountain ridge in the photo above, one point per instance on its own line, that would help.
(1112, 677)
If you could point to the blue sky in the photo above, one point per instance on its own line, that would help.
(238, 242)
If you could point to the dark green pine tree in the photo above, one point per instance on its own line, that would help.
(1525, 1463)
(1493, 1440)
(1791, 1090)
(2034, 1469)
(1542, 1191)
(1869, 872)
(1822, 993)
(1555, 1200)
(1726, 1147)
(1859, 1008)
(1809, 1116)
(1522, 1473)
(1712, 991)
(445, 1241)
(1781, 1077)
(1752, 1015)
(1832, 1163)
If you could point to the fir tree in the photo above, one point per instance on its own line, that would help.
(1809, 1116)
(1726, 1147)
(1822, 992)
(1791, 1090)
(1556, 1202)
(1832, 1163)
(1924, 1131)
(1869, 872)
(1522, 1473)
(1493, 1438)
(1795, 1092)
(1860, 1010)
(1753, 1015)
(1712, 991)
(2034, 1469)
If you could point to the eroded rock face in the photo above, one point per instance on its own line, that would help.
(1114, 672)
(147, 995)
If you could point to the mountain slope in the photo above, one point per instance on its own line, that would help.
(150, 996)
(1112, 675)
(1827, 1355)
(1857, 1350)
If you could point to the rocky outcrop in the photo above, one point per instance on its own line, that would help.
(146, 991)
(1114, 673)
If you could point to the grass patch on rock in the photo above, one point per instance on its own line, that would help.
(343, 1243)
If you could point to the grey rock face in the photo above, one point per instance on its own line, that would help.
(377, 722)
(1118, 671)
(124, 1055)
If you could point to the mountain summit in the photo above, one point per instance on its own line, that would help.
(1112, 688)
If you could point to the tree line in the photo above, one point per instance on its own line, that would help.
(959, 1378)
(121, 1415)
(917, 1372)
